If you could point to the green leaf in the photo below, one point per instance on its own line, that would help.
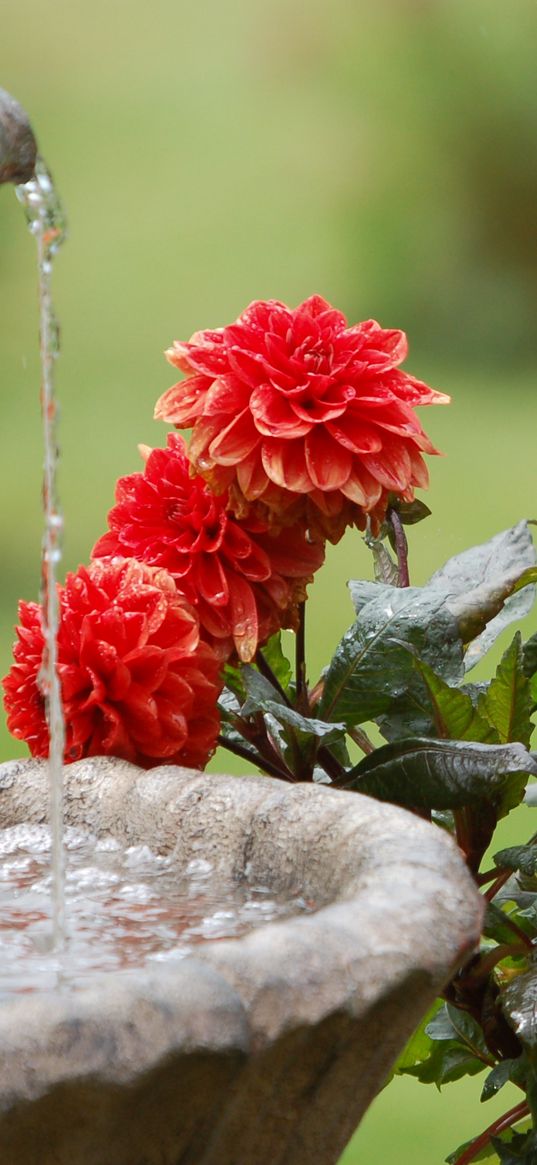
(260, 692)
(496, 924)
(453, 712)
(305, 728)
(443, 774)
(449, 1061)
(233, 680)
(519, 1003)
(518, 857)
(480, 584)
(507, 703)
(530, 656)
(521, 1147)
(372, 666)
(450, 1023)
(490, 1151)
(277, 661)
(410, 512)
(419, 1046)
(487, 1153)
(502, 1073)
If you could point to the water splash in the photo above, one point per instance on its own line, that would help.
(46, 221)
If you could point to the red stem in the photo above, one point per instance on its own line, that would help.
(498, 1126)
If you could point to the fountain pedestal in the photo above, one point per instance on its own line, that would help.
(261, 1050)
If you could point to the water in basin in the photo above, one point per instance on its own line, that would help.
(126, 907)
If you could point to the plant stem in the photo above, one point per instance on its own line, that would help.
(328, 762)
(268, 673)
(401, 547)
(300, 660)
(266, 765)
(497, 885)
(362, 740)
(498, 1126)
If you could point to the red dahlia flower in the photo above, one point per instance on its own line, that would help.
(289, 404)
(243, 581)
(136, 682)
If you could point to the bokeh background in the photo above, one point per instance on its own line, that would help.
(208, 154)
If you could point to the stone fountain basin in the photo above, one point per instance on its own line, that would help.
(260, 1050)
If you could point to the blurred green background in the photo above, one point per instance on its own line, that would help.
(383, 155)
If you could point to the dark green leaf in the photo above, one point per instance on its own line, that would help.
(410, 512)
(501, 1074)
(489, 1152)
(507, 703)
(419, 1046)
(453, 712)
(431, 707)
(530, 656)
(371, 666)
(304, 727)
(386, 570)
(260, 692)
(518, 857)
(233, 680)
(480, 584)
(519, 1002)
(443, 774)
(496, 924)
(229, 705)
(277, 661)
(521, 1147)
(449, 1061)
(450, 1023)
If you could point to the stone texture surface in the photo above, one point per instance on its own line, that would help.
(263, 1050)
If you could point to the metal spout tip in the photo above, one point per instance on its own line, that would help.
(18, 147)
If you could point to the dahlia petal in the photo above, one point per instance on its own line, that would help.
(420, 473)
(251, 476)
(392, 467)
(248, 365)
(315, 408)
(183, 403)
(284, 463)
(291, 555)
(355, 435)
(362, 489)
(245, 625)
(414, 391)
(227, 395)
(211, 579)
(236, 441)
(274, 416)
(329, 464)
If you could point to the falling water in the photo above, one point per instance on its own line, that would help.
(46, 221)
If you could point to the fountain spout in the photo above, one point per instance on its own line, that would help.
(18, 147)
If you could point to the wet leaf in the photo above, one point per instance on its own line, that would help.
(306, 728)
(410, 512)
(519, 1003)
(501, 1074)
(442, 774)
(529, 651)
(453, 713)
(521, 1147)
(419, 1046)
(277, 661)
(449, 1061)
(372, 666)
(507, 703)
(260, 692)
(518, 857)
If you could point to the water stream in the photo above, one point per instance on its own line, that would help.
(46, 221)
